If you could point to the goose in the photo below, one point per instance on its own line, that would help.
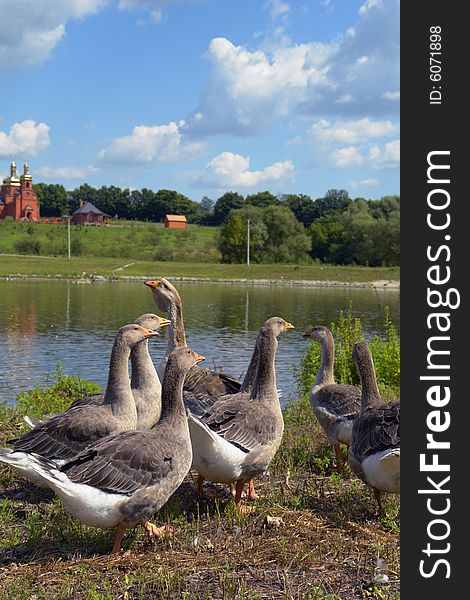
(120, 481)
(66, 434)
(374, 453)
(145, 383)
(237, 437)
(334, 405)
(202, 382)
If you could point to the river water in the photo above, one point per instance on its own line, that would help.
(43, 323)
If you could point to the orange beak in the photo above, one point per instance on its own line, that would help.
(152, 284)
(288, 325)
(149, 332)
(198, 357)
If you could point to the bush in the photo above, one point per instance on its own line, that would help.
(347, 330)
(28, 246)
(57, 397)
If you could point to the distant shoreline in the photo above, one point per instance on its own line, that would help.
(379, 284)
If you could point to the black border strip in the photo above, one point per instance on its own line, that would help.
(433, 127)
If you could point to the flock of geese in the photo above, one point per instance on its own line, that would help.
(115, 459)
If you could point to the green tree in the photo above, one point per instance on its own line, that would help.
(227, 202)
(302, 206)
(262, 199)
(53, 200)
(233, 239)
(84, 192)
(275, 236)
(332, 204)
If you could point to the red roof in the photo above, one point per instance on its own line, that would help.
(180, 218)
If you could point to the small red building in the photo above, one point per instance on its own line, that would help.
(176, 221)
(88, 214)
(17, 198)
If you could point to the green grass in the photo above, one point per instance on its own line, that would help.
(326, 546)
(146, 249)
(29, 266)
(143, 241)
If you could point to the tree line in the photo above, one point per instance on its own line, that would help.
(293, 228)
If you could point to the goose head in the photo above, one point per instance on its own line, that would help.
(163, 293)
(133, 333)
(318, 333)
(152, 321)
(184, 358)
(277, 325)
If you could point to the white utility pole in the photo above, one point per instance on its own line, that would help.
(248, 243)
(68, 237)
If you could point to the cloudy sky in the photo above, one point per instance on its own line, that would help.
(203, 96)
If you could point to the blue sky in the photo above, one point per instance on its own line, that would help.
(203, 96)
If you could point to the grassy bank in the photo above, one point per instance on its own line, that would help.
(129, 240)
(117, 267)
(328, 543)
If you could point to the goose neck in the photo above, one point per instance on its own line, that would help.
(172, 393)
(325, 373)
(250, 375)
(143, 374)
(118, 390)
(177, 337)
(370, 392)
(264, 384)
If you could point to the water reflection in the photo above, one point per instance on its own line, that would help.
(42, 323)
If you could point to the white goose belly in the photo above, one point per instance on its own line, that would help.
(382, 470)
(213, 457)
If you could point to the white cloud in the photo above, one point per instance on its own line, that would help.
(27, 137)
(347, 157)
(364, 183)
(350, 76)
(37, 27)
(277, 8)
(55, 173)
(386, 158)
(233, 170)
(150, 144)
(368, 5)
(391, 96)
(352, 132)
(250, 88)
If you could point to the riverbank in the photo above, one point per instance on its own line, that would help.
(313, 534)
(107, 269)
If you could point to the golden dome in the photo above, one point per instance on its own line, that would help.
(12, 179)
(26, 173)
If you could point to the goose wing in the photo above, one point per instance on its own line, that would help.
(340, 399)
(93, 399)
(242, 422)
(202, 382)
(376, 429)
(68, 433)
(124, 462)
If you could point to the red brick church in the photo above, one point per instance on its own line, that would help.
(17, 198)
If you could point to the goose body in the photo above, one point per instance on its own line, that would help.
(334, 405)
(235, 439)
(67, 434)
(124, 479)
(374, 453)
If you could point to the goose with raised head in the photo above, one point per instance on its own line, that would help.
(199, 381)
(145, 383)
(237, 437)
(334, 405)
(374, 453)
(124, 479)
(66, 434)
